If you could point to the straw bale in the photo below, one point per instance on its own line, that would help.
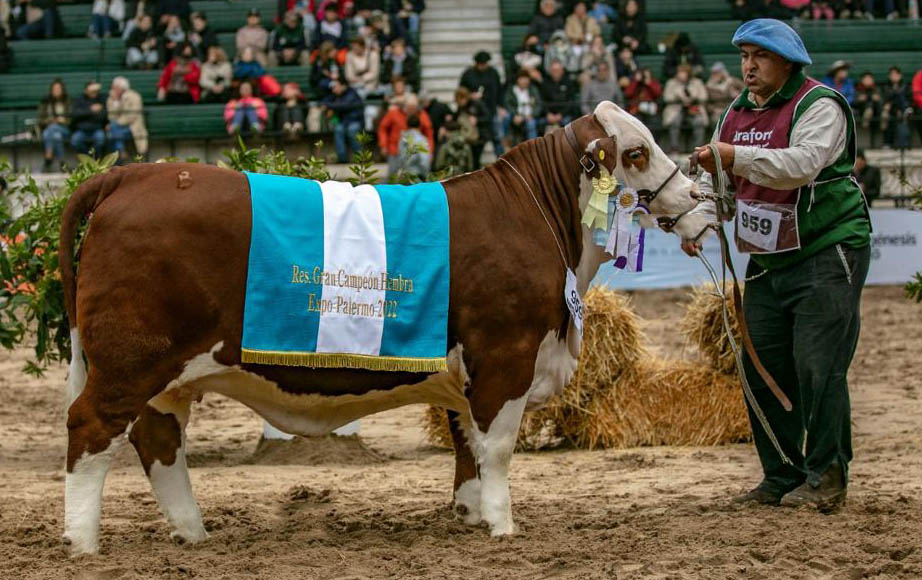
(703, 326)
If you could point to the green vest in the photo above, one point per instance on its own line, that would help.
(832, 210)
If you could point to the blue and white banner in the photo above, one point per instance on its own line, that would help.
(343, 276)
(896, 254)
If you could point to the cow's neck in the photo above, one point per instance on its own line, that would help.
(553, 174)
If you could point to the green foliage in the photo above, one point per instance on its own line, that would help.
(31, 292)
(914, 287)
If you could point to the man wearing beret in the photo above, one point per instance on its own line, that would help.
(787, 144)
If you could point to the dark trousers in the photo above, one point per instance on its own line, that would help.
(804, 322)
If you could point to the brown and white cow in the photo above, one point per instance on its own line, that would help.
(158, 312)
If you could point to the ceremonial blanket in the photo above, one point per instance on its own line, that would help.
(343, 276)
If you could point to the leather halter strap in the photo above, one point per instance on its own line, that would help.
(584, 160)
(648, 196)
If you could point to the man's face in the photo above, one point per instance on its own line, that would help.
(603, 71)
(867, 80)
(410, 109)
(291, 20)
(115, 90)
(895, 76)
(860, 163)
(198, 24)
(398, 48)
(145, 23)
(92, 91)
(681, 75)
(338, 88)
(253, 20)
(764, 72)
(556, 71)
(547, 8)
(482, 66)
(522, 82)
(330, 15)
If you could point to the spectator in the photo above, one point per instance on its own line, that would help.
(474, 123)
(215, 78)
(414, 151)
(560, 49)
(289, 115)
(246, 114)
(392, 127)
(172, 39)
(890, 10)
(837, 78)
(6, 54)
(331, 28)
(397, 93)
(867, 176)
(5, 30)
(596, 54)
(850, 8)
(126, 119)
(867, 106)
(722, 88)
(381, 29)
(601, 87)
(683, 51)
(36, 19)
(202, 37)
(523, 101)
(454, 154)
(580, 27)
(253, 35)
(248, 67)
(546, 22)
(362, 68)
(345, 110)
(559, 93)
(917, 100)
(142, 45)
(407, 13)
(108, 16)
(685, 97)
(643, 94)
(54, 117)
(88, 122)
(438, 112)
(529, 57)
(625, 66)
(398, 61)
(820, 10)
(483, 82)
(167, 8)
(897, 100)
(603, 12)
(179, 82)
(289, 43)
(326, 67)
(631, 29)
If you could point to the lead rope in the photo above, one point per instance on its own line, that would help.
(720, 192)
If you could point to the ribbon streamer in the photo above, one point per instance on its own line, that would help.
(625, 246)
(595, 216)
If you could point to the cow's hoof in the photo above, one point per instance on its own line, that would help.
(467, 515)
(503, 529)
(79, 547)
(188, 537)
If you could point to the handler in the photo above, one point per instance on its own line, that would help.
(788, 146)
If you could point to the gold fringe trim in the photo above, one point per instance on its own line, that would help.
(343, 361)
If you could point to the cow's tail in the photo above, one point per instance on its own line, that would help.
(81, 204)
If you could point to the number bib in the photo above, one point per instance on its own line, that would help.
(766, 228)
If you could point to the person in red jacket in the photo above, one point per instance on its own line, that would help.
(643, 95)
(917, 100)
(179, 82)
(394, 124)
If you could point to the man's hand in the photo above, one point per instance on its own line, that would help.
(706, 160)
(690, 247)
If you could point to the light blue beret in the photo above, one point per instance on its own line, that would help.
(773, 35)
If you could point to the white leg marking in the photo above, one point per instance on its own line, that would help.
(467, 502)
(173, 491)
(83, 498)
(76, 374)
(494, 452)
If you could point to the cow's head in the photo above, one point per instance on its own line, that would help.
(619, 142)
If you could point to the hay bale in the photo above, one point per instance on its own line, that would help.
(703, 326)
(663, 402)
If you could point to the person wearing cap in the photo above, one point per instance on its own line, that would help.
(837, 78)
(787, 144)
(253, 35)
(484, 84)
(89, 120)
(722, 88)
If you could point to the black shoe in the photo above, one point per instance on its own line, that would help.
(826, 497)
(759, 495)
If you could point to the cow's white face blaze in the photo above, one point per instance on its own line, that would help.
(642, 164)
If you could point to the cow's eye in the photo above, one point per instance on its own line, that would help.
(636, 154)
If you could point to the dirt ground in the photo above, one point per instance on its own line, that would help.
(343, 510)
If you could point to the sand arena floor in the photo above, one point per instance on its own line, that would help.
(379, 508)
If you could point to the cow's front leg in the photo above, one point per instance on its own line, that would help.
(467, 479)
(497, 417)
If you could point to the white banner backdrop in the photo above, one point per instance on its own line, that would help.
(896, 255)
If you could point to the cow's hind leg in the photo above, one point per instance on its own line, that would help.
(95, 432)
(495, 429)
(467, 478)
(159, 438)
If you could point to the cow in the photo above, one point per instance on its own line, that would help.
(157, 312)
